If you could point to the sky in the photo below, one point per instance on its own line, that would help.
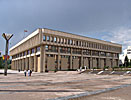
(108, 20)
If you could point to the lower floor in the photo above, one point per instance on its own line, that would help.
(52, 62)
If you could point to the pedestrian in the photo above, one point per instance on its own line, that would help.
(25, 72)
(28, 72)
(18, 70)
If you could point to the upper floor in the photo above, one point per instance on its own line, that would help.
(63, 39)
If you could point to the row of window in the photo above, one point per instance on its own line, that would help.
(26, 53)
(50, 48)
(79, 43)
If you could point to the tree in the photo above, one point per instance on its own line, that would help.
(126, 62)
(130, 63)
(1, 62)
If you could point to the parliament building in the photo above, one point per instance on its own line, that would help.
(50, 50)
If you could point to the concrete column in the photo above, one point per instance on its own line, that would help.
(67, 41)
(112, 61)
(22, 64)
(20, 67)
(26, 63)
(112, 65)
(41, 57)
(99, 61)
(19, 64)
(12, 65)
(44, 54)
(35, 61)
(71, 59)
(117, 62)
(30, 63)
(106, 61)
(82, 58)
(15, 64)
(91, 61)
(58, 61)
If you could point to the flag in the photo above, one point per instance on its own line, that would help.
(5, 57)
(25, 31)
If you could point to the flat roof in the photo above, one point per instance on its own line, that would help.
(84, 37)
(25, 39)
(37, 31)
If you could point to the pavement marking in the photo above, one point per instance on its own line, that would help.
(87, 93)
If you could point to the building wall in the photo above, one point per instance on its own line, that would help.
(51, 63)
(64, 64)
(49, 50)
(102, 63)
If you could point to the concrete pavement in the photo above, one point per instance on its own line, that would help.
(44, 86)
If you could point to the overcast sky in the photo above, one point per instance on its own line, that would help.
(108, 20)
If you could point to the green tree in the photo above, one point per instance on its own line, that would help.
(1, 62)
(130, 63)
(126, 62)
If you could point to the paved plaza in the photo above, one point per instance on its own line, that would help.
(49, 86)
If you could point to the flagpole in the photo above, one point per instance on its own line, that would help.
(24, 33)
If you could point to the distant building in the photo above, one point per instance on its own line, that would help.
(46, 50)
(126, 52)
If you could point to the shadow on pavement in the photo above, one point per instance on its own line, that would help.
(38, 91)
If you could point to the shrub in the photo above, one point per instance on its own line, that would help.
(105, 67)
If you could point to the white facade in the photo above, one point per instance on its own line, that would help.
(127, 52)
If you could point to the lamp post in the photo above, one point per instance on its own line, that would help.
(7, 38)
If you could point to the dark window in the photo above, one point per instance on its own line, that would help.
(68, 41)
(24, 53)
(54, 49)
(44, 38)
(68, 50)
(102, 54)
(95, 53)
(38, 49)
(55, 39)
(76, 51)
(32, 50)
(46, 48)
(28, 52)
(77, 43)
(48, 38)
(108, 54)
(86, 52)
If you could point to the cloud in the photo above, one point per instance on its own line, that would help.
(92, 18)
(121, 36)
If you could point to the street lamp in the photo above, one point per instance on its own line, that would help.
(7, 38)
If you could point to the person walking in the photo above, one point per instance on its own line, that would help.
(25, 73)
(28, 72)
